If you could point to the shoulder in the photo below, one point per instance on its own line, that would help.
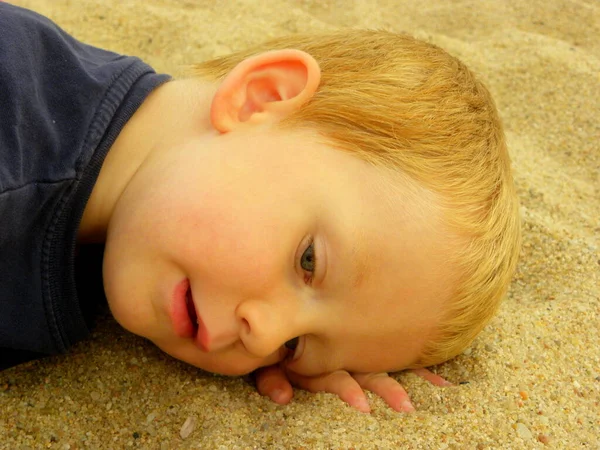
(51, 86)
(20, 27)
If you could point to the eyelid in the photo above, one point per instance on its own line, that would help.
(323, 262)
(299, 350)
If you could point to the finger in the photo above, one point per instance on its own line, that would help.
(387, 388)
(339, 383)
(428, 375)
(272, 382)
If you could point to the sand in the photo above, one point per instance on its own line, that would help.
(532, 378)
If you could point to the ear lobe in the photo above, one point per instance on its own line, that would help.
(265, 87)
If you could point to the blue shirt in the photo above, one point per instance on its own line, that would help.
(62, 105)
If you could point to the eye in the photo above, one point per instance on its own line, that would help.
(292, 343)
(308, 260)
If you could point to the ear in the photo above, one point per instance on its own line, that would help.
(265, 87)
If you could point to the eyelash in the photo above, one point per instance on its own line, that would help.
(308, 278)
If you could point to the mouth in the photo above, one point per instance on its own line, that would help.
(191, 310)
(184, 317)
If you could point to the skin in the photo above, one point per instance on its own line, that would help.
(280, 235)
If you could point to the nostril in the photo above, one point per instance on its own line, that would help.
(246, 326)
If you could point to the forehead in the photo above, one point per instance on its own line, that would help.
(390, 227)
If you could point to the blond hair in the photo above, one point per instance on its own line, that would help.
(404, 104)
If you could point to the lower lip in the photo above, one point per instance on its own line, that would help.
(182, 325)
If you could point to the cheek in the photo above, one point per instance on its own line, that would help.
(231, 245)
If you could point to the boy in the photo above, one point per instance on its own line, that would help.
(321, 209)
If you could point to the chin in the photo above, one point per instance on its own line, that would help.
(230, 371)
(212, 366)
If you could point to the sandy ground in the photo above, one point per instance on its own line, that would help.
(532, 379)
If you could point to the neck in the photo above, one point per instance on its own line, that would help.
(173, 111)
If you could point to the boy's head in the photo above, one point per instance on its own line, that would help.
(361, 201)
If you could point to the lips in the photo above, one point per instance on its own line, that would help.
(183, 312)
(184, 316)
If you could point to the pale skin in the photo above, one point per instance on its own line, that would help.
(302, 262)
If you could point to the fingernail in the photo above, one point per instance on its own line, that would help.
(447, 383)
(362, 405)
(277, 395)
(407, 406)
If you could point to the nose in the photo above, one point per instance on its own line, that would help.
(265, 326)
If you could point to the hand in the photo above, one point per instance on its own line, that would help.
(275, 382)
